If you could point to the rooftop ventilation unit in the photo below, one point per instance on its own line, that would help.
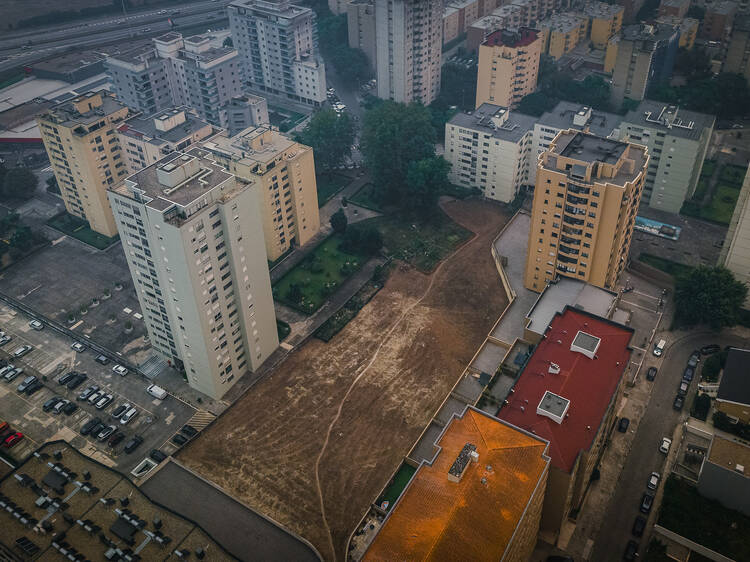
(553, 406)
(586, 344)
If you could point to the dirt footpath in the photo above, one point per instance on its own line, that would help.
(397, 360)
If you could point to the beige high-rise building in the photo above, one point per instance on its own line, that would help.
(193, 240)
(605, 20)
(735, 254)
(285, 173)
(585, 201)
(508, 66)
(360, 20)
(81, 141)
(562, 32)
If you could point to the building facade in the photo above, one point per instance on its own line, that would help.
(675, 8)
(360, 19)
(246, 111)
(738, 49)
(724, 474)
(586, 197)
(735, 253)
(508, 66)
(146, 140)
(490, 150)
(176, 71)
(717, 23)
(409, 49)
(677, 142)
(644, 59)
(284, 173)
(561, 33)
(278, 47)
(193, 240)
(81, 140)
(605, 20)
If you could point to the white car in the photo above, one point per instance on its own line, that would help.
(22, 350)
(129, 415)
(653, 481)
(36, 324)
(120, 370)
(78, 346)
(666, 443)
(5, 338)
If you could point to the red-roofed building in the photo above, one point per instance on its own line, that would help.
(567, 394)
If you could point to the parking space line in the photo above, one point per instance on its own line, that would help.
(652, 310)
(645, 295)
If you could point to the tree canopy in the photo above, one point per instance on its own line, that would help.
(331, 136)
(426, 178)
(458, 86)
(19, 183)
(351, 64)
(393, 136)
(338, 221)
(708, 295)
(726, 95)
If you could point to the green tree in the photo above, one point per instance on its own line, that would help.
(338, 221)
(294, 293)
(371, 240)
(708, 295)
(458, 86)
(726, 95)
(19, 183)
(393, 136)
(228, 42)
(696, 12)
(425, 180)
(536, 103)
(22, 239)
(331, 136)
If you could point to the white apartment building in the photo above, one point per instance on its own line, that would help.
(278, 46)
(490, 149)
(735, 254)
(408, 46)
(193, 240)
(566, 116)
(147, 139)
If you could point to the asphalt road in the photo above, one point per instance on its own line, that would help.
(660, 420)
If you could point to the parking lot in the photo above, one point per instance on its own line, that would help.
(157, 421)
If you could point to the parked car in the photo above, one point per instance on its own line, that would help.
(179, 439)
(66, 378)
(7, 368)
(12, 439)
(653, 481)
(104, 434)
(120, 370)
(60, 405)
(189, 430)
(5, 339)
(129, 415)
(683, 388)
(156, 391)
(88, 391)
(133, 444)
(78, 346)
(4, 428)
(709, 349)
(103, 359)
(25, 383)
(36, 324)
(51, 403)
(12, 375)
(651, 373)
(694, 358)
(104, 401)
(678, 403)
(631, 551)
(647, 501)
(22, 350)
(622, 426)
(666, 442)
(69, 408)
(34, 387)
(76, 381)
(120, 410)
(157, 455)
(94, 398)
(115, 438)
(688, 374)
(90, 425)
(639, 526)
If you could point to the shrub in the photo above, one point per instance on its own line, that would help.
(701, 407)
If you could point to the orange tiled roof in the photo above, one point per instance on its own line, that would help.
(437, 519)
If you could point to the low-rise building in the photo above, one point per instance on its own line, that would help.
(586, 197)
(147, 139)
(490, 150)
(733, 396)
(675, 8)
(735, 253)
(677, 142)
(605, 20)
(284, 172)
(508, 66)
(487, 482)
(562, 32)
(246, 111)
(738, 50)
(688, 29)
(567, 115)
(725, 474)
(568, 394)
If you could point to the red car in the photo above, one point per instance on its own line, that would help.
(12, 439)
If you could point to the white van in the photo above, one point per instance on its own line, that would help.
(659, 347)
(157, 392)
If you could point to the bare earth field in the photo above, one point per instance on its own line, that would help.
(311, 445)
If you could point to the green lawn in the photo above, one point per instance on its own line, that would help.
(700, 189)
(283, 118)
(732, 175)
(400, 481)
(365, 197)
(329, 185)
(80, 229)
(705, 521)
(668, 266)
(709, 167)
(722, 204)
(317, 276)
(421, 243)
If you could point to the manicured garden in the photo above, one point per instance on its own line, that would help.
(668, 266)
(80, 229)
(313, 280)
(721, 206)
(329, 185)
(704, 520)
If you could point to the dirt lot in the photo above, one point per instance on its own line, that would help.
(349, 410)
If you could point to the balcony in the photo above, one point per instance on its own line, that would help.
(571, 220)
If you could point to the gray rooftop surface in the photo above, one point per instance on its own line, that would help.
(136, 55)
(240, 530)
(561, 117)
(641, 118)
(145, 125)
(452, 406)
(568, 292)
(425, 447)
(735, 382)
(644, 32)
(589, 148)
(489, 358)
(517, 125)
(66, 112)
